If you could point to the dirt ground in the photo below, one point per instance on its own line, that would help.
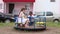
(11, 30)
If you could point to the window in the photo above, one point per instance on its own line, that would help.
(0, 6)
(52, 0)
(49, 14)
(40, 13)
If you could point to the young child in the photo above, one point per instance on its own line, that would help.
(23, 20)
(31, 18)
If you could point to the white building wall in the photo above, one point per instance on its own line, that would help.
(1, 1)
(46, 5)
(2, 5)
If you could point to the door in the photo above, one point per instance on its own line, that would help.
(11, 7)
(49, 16)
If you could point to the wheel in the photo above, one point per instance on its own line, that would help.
(56, 21)
(7, 21)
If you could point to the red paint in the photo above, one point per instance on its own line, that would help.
(19, 0)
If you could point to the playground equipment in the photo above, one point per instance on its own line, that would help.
(36, 23)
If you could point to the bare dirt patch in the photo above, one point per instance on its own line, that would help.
(11, 30)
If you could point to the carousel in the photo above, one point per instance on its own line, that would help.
(36, 23)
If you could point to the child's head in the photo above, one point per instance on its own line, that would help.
(23, 9)
(30, 13)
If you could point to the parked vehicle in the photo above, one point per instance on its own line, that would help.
(50, 16)
(6, 18)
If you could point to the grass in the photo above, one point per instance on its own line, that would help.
(6, 24)
(49, 24)
(52, 24)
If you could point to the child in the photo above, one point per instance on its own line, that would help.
(31, 18)
(23, 20)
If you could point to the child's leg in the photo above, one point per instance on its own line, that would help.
(20, 25)
(27, 23)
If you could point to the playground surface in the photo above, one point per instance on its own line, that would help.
(10, 30)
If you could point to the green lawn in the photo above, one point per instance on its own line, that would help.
(49, 24)
(6, 24)
(52, 24)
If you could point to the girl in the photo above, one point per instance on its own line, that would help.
(23, 20)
